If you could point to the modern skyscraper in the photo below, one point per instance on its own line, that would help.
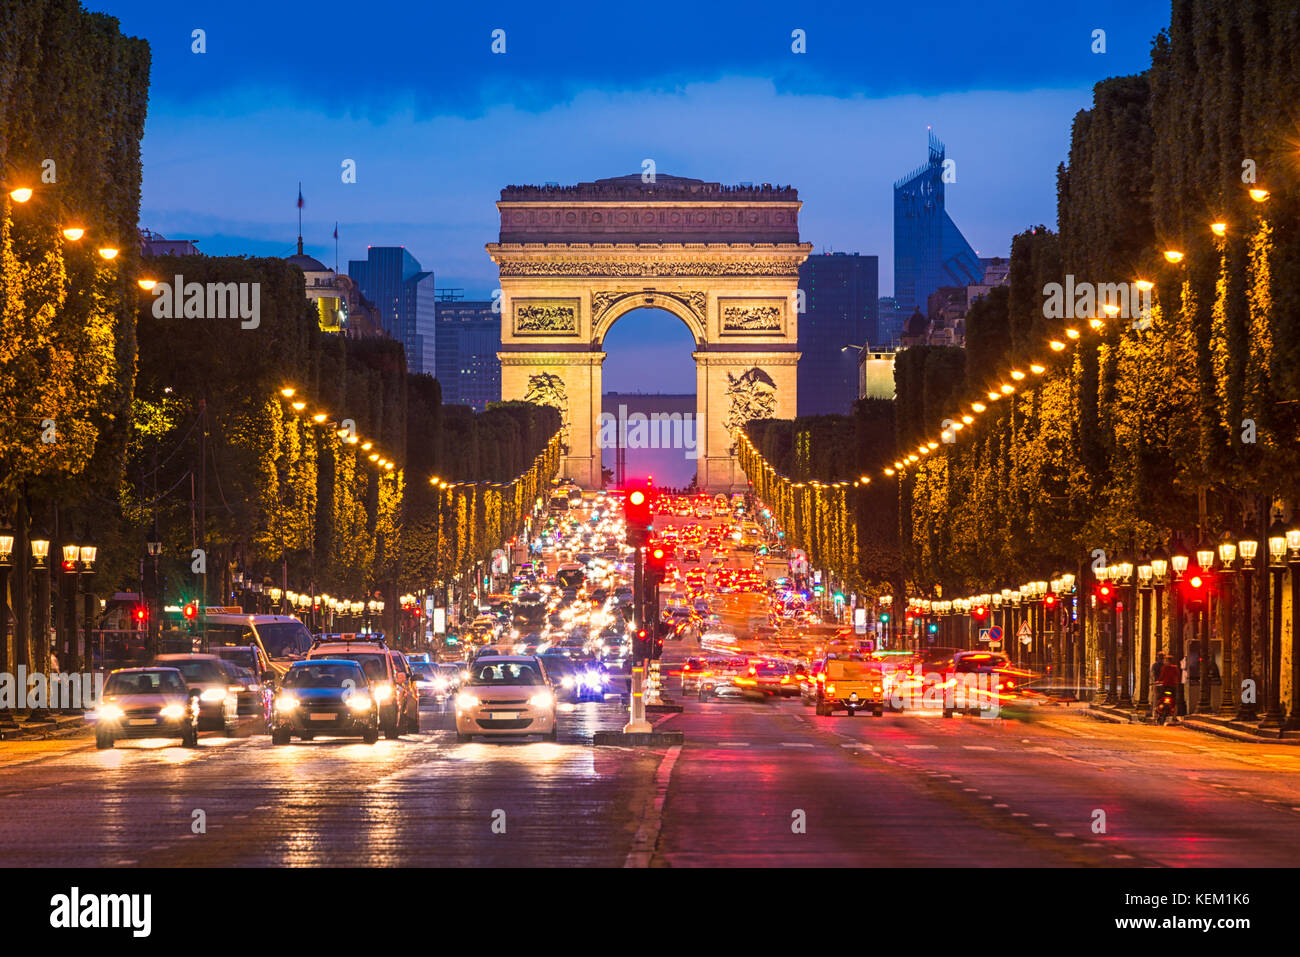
(468, 340)
(929, 249)
(841, 293)
(394, 281)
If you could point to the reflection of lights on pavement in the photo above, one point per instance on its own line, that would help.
(566, 706)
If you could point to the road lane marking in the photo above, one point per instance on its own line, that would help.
(796, 744)
(864, 747)
(733, 744)
(978, 747)
(922, 747)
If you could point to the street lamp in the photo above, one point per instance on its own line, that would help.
(1247, 546)
(1227, 556)
(1293, 546)
(1277, 565)
(6, 564)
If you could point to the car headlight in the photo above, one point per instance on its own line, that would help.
(213, 694)
(359, 702)
(110, 712)
(465, 700)
(543, 699)
(567, 681)
(286, 702)
(383, 691)
(440, 684)
(173, 712)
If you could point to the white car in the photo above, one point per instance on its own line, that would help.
(505, 695)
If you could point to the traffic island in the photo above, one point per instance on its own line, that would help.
(644, 739)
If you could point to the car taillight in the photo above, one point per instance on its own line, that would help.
(830, 689)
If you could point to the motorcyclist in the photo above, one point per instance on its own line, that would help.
(1170, 678)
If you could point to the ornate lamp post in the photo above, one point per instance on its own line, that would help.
(1145, 576)
(87, 557)
(1205, 658)
(1122, 576)
(152, 600)
(1227, 556)
(1293, 561)
(1247, 547)
(40, 660)
(1178, 561)
(67, 645)
(1276, 565)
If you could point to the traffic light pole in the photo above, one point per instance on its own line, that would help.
(637, 723)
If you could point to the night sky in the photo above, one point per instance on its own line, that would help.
(437, 124)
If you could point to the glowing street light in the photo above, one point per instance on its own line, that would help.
(1173, 256)
(108, 252)
(20, 195)
(73, 233)
(146, 284)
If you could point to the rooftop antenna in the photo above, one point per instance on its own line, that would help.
(299, 218)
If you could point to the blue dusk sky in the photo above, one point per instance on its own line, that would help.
(437, 123)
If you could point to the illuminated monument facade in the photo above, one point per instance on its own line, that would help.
(722, 259)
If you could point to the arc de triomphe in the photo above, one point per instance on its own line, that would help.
(722, 259)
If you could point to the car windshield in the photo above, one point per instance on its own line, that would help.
(282, 639)
(373, 665)
(324, 675)
(243, 657)
(201, 670)
(145, 682)
(422, 668)
(505, 673)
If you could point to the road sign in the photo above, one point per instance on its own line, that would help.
(984, 634)
(1026, 634)
(994, 633)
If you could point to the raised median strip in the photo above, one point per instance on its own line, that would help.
(648, 739)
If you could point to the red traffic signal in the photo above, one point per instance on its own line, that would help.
(979, 612)
(1105, 593)
(1197, 586)
(639, 520)
(190, 611)
(1050, 601)
(141, 613)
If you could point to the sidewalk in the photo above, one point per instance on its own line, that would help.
(59, 725)
(1223, 726)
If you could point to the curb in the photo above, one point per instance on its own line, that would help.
(1108, 715)
(653, 739)
(60, 727)
(1238, 732)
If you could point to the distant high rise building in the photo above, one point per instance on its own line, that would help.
(929, 249)
(841, 292)
(394, 281)
(468, 340)
(889, 323)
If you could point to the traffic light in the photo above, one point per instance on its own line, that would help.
(979, 612)
(140, 615)
(661, 629)
(190, 611)
(932, 628)
(1105, 593)
(884, 617)
(1197, 586)
(640, 645)
(1049, 601)
(638, 516)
